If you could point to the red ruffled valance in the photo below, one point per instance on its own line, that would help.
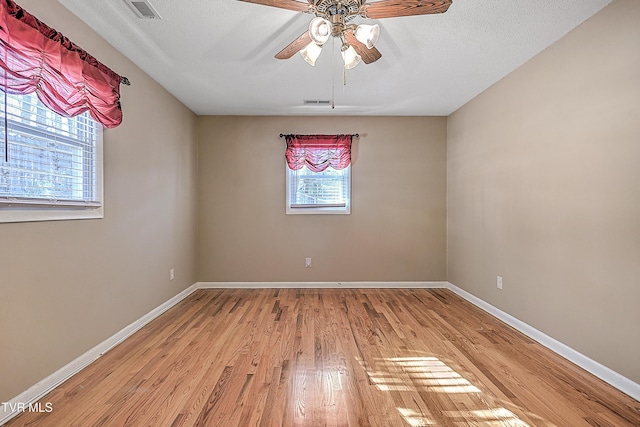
(318, 152)
(68, 80)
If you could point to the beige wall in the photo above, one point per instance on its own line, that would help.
(396, 231)
(544, 190)
(66, 286)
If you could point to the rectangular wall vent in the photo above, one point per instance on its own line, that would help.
(143, 9)
(316, 102)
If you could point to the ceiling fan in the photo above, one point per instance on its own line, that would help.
(333, 17)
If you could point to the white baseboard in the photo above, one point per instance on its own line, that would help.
(37, 391)
(608, 375)
(320, 285)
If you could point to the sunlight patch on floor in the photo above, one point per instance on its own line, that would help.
(414, 418)
(431, 375)
(424, 373)
(489, 417)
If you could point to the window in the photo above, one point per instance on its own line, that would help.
(51, 167)
(318, 174)
(311, 192)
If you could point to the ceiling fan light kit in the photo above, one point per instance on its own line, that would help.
(367, 34)
(311, 53)
(350, 57)
(320, 30)
(332, 17)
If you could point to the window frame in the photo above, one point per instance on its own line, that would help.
(317, 210)
(22, 209)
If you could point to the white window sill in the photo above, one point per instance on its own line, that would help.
(29, 214)
(318, 210)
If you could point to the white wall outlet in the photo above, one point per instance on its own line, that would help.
(307, 262)
(499, 282)
(171, 274)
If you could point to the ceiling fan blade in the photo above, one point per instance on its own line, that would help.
(368, 55)
(395, 8)
(295, 46)
(283, 4)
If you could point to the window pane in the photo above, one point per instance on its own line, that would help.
(49, 157)
(329, 189)
(319, 188)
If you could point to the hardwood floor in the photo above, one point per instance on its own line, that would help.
(334, 357)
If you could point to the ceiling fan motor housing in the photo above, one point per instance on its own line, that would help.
(344, 9)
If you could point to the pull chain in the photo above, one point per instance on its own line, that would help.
(333, 74)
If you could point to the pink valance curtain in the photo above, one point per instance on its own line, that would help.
(69, 81)
(318, 152)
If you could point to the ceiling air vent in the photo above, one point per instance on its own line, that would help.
(316, 102)
(143, 9)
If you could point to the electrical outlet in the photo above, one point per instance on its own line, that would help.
(307, 262)
(171, 274)
(499, 282)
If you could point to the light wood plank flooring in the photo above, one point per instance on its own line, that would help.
(331, 357)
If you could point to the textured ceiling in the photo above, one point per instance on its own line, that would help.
(217, 56)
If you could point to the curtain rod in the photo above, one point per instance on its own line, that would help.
(357, 135)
